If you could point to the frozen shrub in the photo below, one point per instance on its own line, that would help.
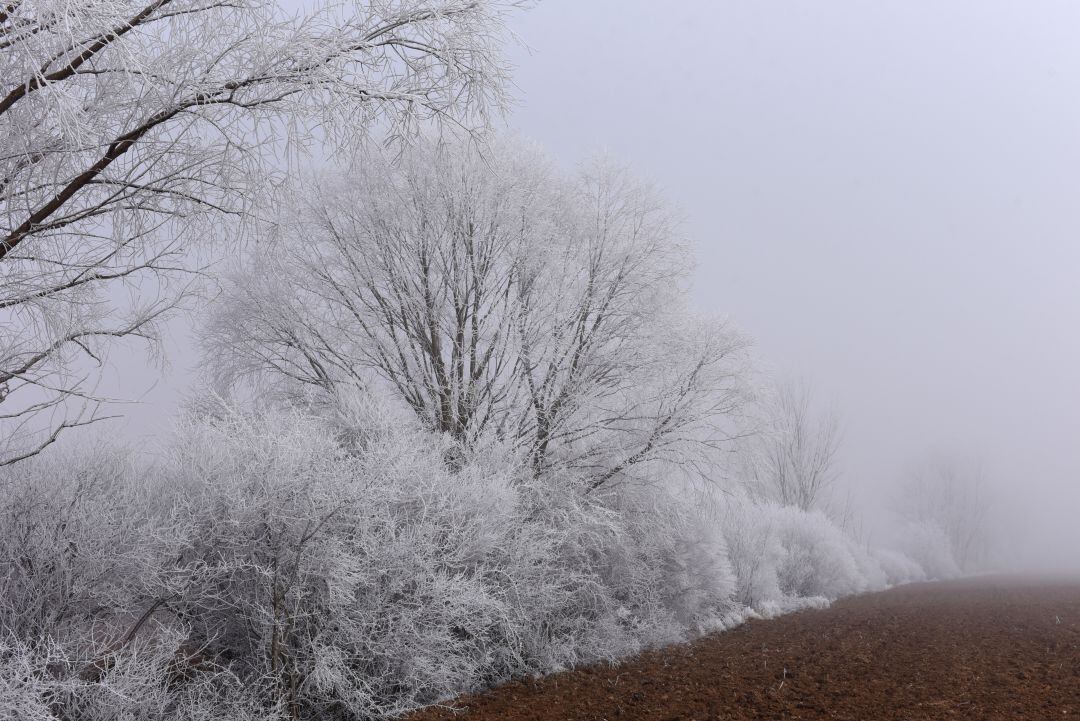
(897, 567)
(25, 687)
(779, 553)
(570, 584)
(42, 680)
(954, 498)
(696, 579)
(818, 559)
(337, 579)
(788, 604)
(374, 577)
(931, 548)
(870, 569)
(349, 565)
(69, 549)
(754, 550)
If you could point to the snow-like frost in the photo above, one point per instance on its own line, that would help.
(930, 548)
(780, 553)
(286, 564)
(897, 567)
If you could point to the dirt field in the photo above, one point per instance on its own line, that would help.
(988, 648)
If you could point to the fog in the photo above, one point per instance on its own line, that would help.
(358, 358)
(883, 195)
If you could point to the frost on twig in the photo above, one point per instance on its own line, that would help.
(126, 127)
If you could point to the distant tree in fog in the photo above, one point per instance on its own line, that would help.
(497, 297)
(952, 497)
(122, 121)
(792, 459)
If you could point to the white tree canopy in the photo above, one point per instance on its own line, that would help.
(121, 122)
(793, 458)
(495, 296)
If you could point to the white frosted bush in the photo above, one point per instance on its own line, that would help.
(897, 567)
(70, 549)
(870, 568)
(788, 604)
(929, 546)
(337, 578)
(779, 553)
(373, 577)
(754, 549)
(348, 565)
(594, 577)
(696, 579)
(819, 559)
(25, 686)
(564, 570)
(41, 680)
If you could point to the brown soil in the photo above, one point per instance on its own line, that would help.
(987, 648)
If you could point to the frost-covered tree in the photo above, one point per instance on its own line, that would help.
(497, 297)
(951, 499)
(121, 122)
(792, 457)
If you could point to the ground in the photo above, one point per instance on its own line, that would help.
(982, 648)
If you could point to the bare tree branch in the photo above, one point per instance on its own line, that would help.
(121, 142)
(497, 298)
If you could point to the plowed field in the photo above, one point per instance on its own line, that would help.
(985, 648)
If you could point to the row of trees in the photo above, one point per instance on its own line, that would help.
(494, 295)
(456, 389)
(502, 300)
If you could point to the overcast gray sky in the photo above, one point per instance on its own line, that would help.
(885, 195)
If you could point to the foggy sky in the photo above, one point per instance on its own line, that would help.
(885, 195)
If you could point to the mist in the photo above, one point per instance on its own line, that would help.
(387, 357)
(883, 197)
